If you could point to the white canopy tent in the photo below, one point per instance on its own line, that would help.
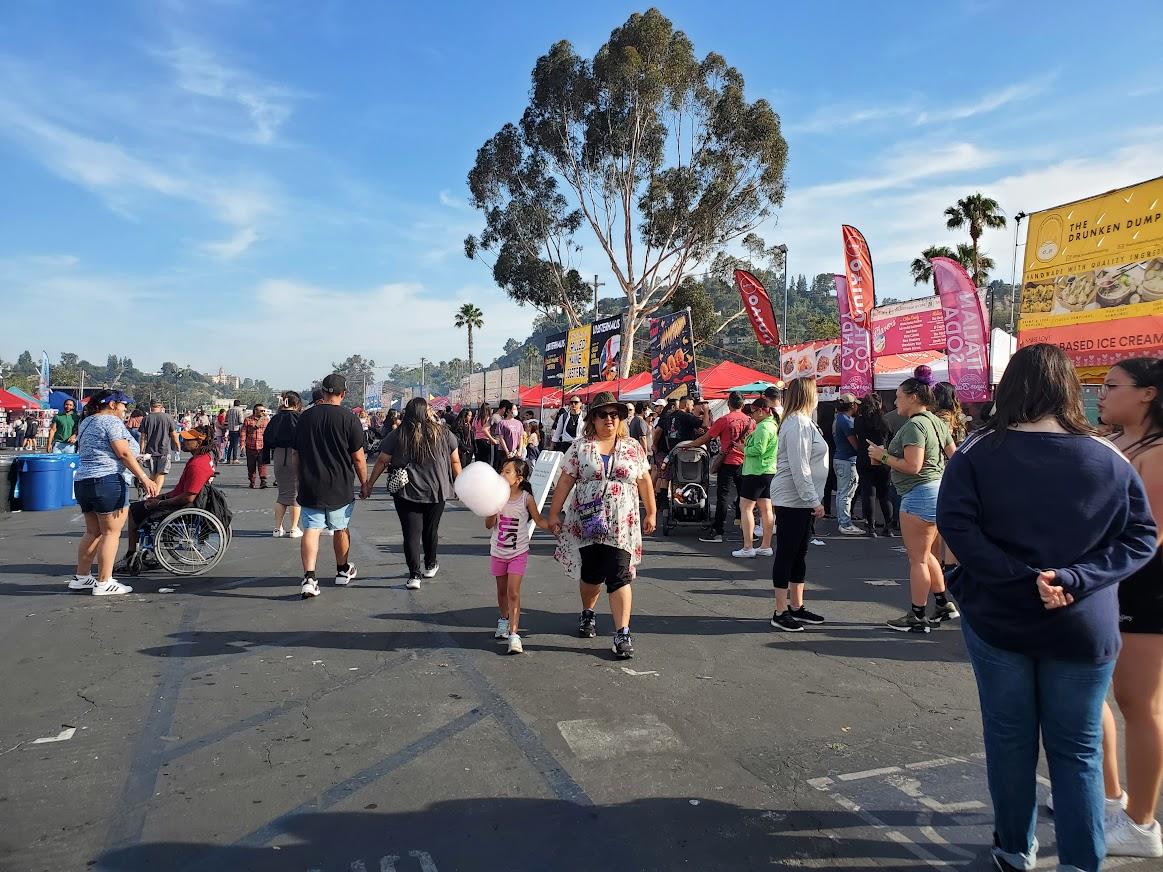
(1001, 344)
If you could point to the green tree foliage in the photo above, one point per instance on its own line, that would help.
(922, 267)
(979, 213)
(652, 149)
(25, 365)
(470, 318)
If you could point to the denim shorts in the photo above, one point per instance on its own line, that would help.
(331, 519)
(103, 495)
(922, 501)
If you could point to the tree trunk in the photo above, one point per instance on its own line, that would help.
(626, 355)
(976, 268)
(470, 350)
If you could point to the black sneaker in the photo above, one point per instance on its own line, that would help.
(712, 537)
(946, 612)
(910, 623)
(587, 626)
(784, 621)
(623, 647)
(871, 532)
(804, 616)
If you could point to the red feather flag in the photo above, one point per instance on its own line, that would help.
(757, 304)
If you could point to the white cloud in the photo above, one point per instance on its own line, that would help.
(234, 246)
(902, 218)
(200, 73)
(832, 118)
(446, 199)
(987, 103)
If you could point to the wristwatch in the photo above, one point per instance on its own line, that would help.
(884, 458)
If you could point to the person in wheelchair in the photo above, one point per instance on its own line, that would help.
(197, 474)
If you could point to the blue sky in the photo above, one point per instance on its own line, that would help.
(270, 185)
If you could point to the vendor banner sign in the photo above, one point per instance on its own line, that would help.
(819, 359)
(554, 354)
(861, 287)
(577, 358)
(1093, 276)
(590, 354)
(966, 337)
(672, 355)
(855, 347)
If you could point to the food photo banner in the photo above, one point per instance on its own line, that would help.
(1092, 280)
(819, 358)
(855, 346)
(672, 355)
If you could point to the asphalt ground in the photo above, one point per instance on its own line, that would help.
(230, 725)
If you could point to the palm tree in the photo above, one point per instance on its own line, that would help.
(470, 316)
(979, 212)
(965, 255)
(922, 267)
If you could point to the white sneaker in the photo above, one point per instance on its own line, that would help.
(413, 583)
(295, 533)
(344, 578)
(758, 532)
(502, 631)
(112, 587)
(764, 552)
(1125, 838)
(515, 648)
(851, 530)
(430, 573)
(1110, 807)
(278, 533)
(815, 541)
(310, 587)
(82, 582)
(744, 552)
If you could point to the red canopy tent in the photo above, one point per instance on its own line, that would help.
(538, 396)
(10, 402)
(717, 381)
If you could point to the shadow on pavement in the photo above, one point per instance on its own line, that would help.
(542, 834)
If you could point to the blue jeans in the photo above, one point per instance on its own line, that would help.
(1021, 695)
(846, 481)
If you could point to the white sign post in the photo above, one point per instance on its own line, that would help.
(544, 477)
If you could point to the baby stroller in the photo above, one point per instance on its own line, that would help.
(690, 481)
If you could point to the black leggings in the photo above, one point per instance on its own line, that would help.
(420, 523)
(485, 451)
(875, 477)
(793, 529)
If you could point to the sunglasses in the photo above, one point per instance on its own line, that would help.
(606, 414)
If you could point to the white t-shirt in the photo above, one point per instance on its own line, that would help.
(511, 533)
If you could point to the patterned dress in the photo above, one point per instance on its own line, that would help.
(583, 462)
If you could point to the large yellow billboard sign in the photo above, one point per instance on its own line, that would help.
(1097, 261)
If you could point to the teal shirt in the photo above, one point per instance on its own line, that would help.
(760, 448)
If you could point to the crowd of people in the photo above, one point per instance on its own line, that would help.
(1042, 529)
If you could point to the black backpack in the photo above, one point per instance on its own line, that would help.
(212, 500)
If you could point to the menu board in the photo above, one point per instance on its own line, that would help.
(554, 353)
(672, 355)
(914, 325)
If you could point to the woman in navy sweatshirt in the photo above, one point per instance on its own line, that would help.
(1046, 520)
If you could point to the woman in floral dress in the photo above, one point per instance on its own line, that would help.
(600, 540)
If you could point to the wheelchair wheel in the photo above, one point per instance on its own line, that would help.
(190, 542)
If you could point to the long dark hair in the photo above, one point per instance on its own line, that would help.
(1147, 372)
(418, 432)
(523, 470)
(1039, 382)
(948, 409)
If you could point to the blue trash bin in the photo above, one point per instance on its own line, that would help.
(67, 472)
(40, 476)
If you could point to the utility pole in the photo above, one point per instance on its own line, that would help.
(1013, 274)
(423, 379)
(597, 285)
(783, 250)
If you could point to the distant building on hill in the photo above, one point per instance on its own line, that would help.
(232, 382)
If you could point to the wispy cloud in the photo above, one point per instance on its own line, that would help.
(199, 72)
(236, 245)
(988, 103)
(446, 199)
(829, 119)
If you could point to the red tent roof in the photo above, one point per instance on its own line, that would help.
(10, 402)
(717, 381)
(538, 395)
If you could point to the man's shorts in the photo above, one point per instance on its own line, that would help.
(330, 519)
(158, 464)
(509, 565)
(139, 513)
(103, 496)
(605, 564)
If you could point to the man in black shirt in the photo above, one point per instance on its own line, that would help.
(679, 425)
(329, 444)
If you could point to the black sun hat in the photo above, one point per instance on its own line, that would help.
(601, 401)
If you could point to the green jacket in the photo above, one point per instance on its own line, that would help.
(759, 449)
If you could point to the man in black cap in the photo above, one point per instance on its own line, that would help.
(329, 445)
